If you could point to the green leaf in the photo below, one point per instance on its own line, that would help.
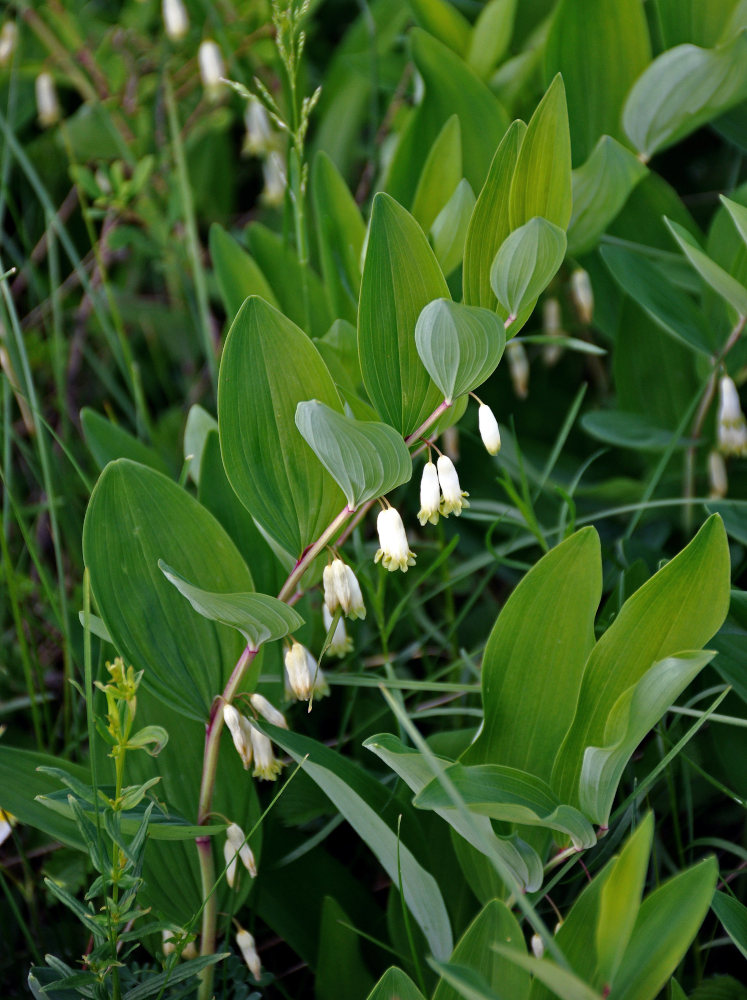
(541, 184)
(489, 225)
(258, 617)
(341, 232)
(340, 969)
(135, 517)
(495, 922)
(236, 271)
(451, 88)
(526, 264)
(733, 916)
(365, 458)
(442, 20)
(680, 607)
(184, 971)
(449, 229)
(400, 276)
(465, 982)
(199, 425)
(683, 89)
(667, 922)
(563, 984)
(440, 174)
(534, 659)
(601, 187)
(107, 442)
(491, 36)
(634, 714)
(670, 308)
(738, 215)
(395, 985)
(365, 803)
(268, 367)
(720, 280)
(600, 47)
(510, 795)
(459, 345)
(627, 430)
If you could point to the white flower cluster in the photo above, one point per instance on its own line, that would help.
(237, 847)
(251, 744)
(303, 675)
(440, 492)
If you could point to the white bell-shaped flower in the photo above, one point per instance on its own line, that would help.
(236, 840)
(245, 944)
(551, 327)
(717, 477)
(273, 171)
(582, 295)
(266, 765)
(259, 134)
(518, 367)
(538, 946)
(430, 495)
(47, 102)
(212, 67)
(491, 436)
(267, 710)
(8, 39)
(453, 496)
(239, 734)
(394, 552)
(341, 643)
(732, 428)
(299, 669)
(175, 19)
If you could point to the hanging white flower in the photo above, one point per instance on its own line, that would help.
(8, 38)
(341, 643)
(342, 590)
(717, 476)
(732, 428)
(453, 496)
(582, 295)
(273, 171)
(551, 327)
(299, 669)
(538, 946)
(236, 845)
(518, 367)
(491, 436)
(394, 552)
(245, 944)
(260, 137)
(266, 765)
(47, 102)
(175, 19)
(263, 707)
(430, 494)
(212, 68)
(239, 734)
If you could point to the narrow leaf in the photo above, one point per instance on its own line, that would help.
(720, 280)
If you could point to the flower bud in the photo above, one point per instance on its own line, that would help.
(394, 552)
(355, 607)
(518, 367)
(453, 496)
(239, 734)
(47, 103)
(300, 666)
(551, 326)
(175, 19)
(245, 944)
(236, 844)
(582, 295)
(341, 643)
(538, 946)
(8, 39)
(259, 135)
(732, 430)
(491, 436)
(273, 171)
(717, 476)
(430, 494)
(212, 69)
(266, 765)
(263, 707)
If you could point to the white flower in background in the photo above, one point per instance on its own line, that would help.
(229, 856)
(273, 171)
(732, 428)
(240, 735)
(299, 669)
(266, 765)
(717, 475)
(7, 822)
(175, 19)
(170, 941)
(212, 68)
(341, 643)
(518, 367)
(453, 496)
(260, 137)
(236, 844)
(538, 946)
(582, 295)
(394, 552)
(342, 590)
(491, 436)
(245, 944)
(8, 39)
(267, 710)
(430, 494)
(356, 607)
(47, 103)
(551, 327)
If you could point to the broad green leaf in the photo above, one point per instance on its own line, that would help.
(459, 345)
(489, 225)
(670, 308)
(720, 280)
(268, 367)
(491, 36)
(564, 984)
(526, 264)
(236, 271)
(442, 20)
(365, 458)
(172, 977)
(667, 922)
(601, 187)
(395, 985)
(287, 278)
(451, 88)
(466, 982)
(510, 795)
(738, 215)
(693, 21)
(135, 517)
(341, 232)
(634, 714)
(108, 442)
(600, 47)
(400, 276)
(449, 229)
(627, 430)
(340, 969)
(259, 617)
(494, 923)
(680, 607)
(440, 174)
(534, 659)
(683, 89)
(199, 425)
(733, 916)
(367, 806)
(541, 184)
(521, 860)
